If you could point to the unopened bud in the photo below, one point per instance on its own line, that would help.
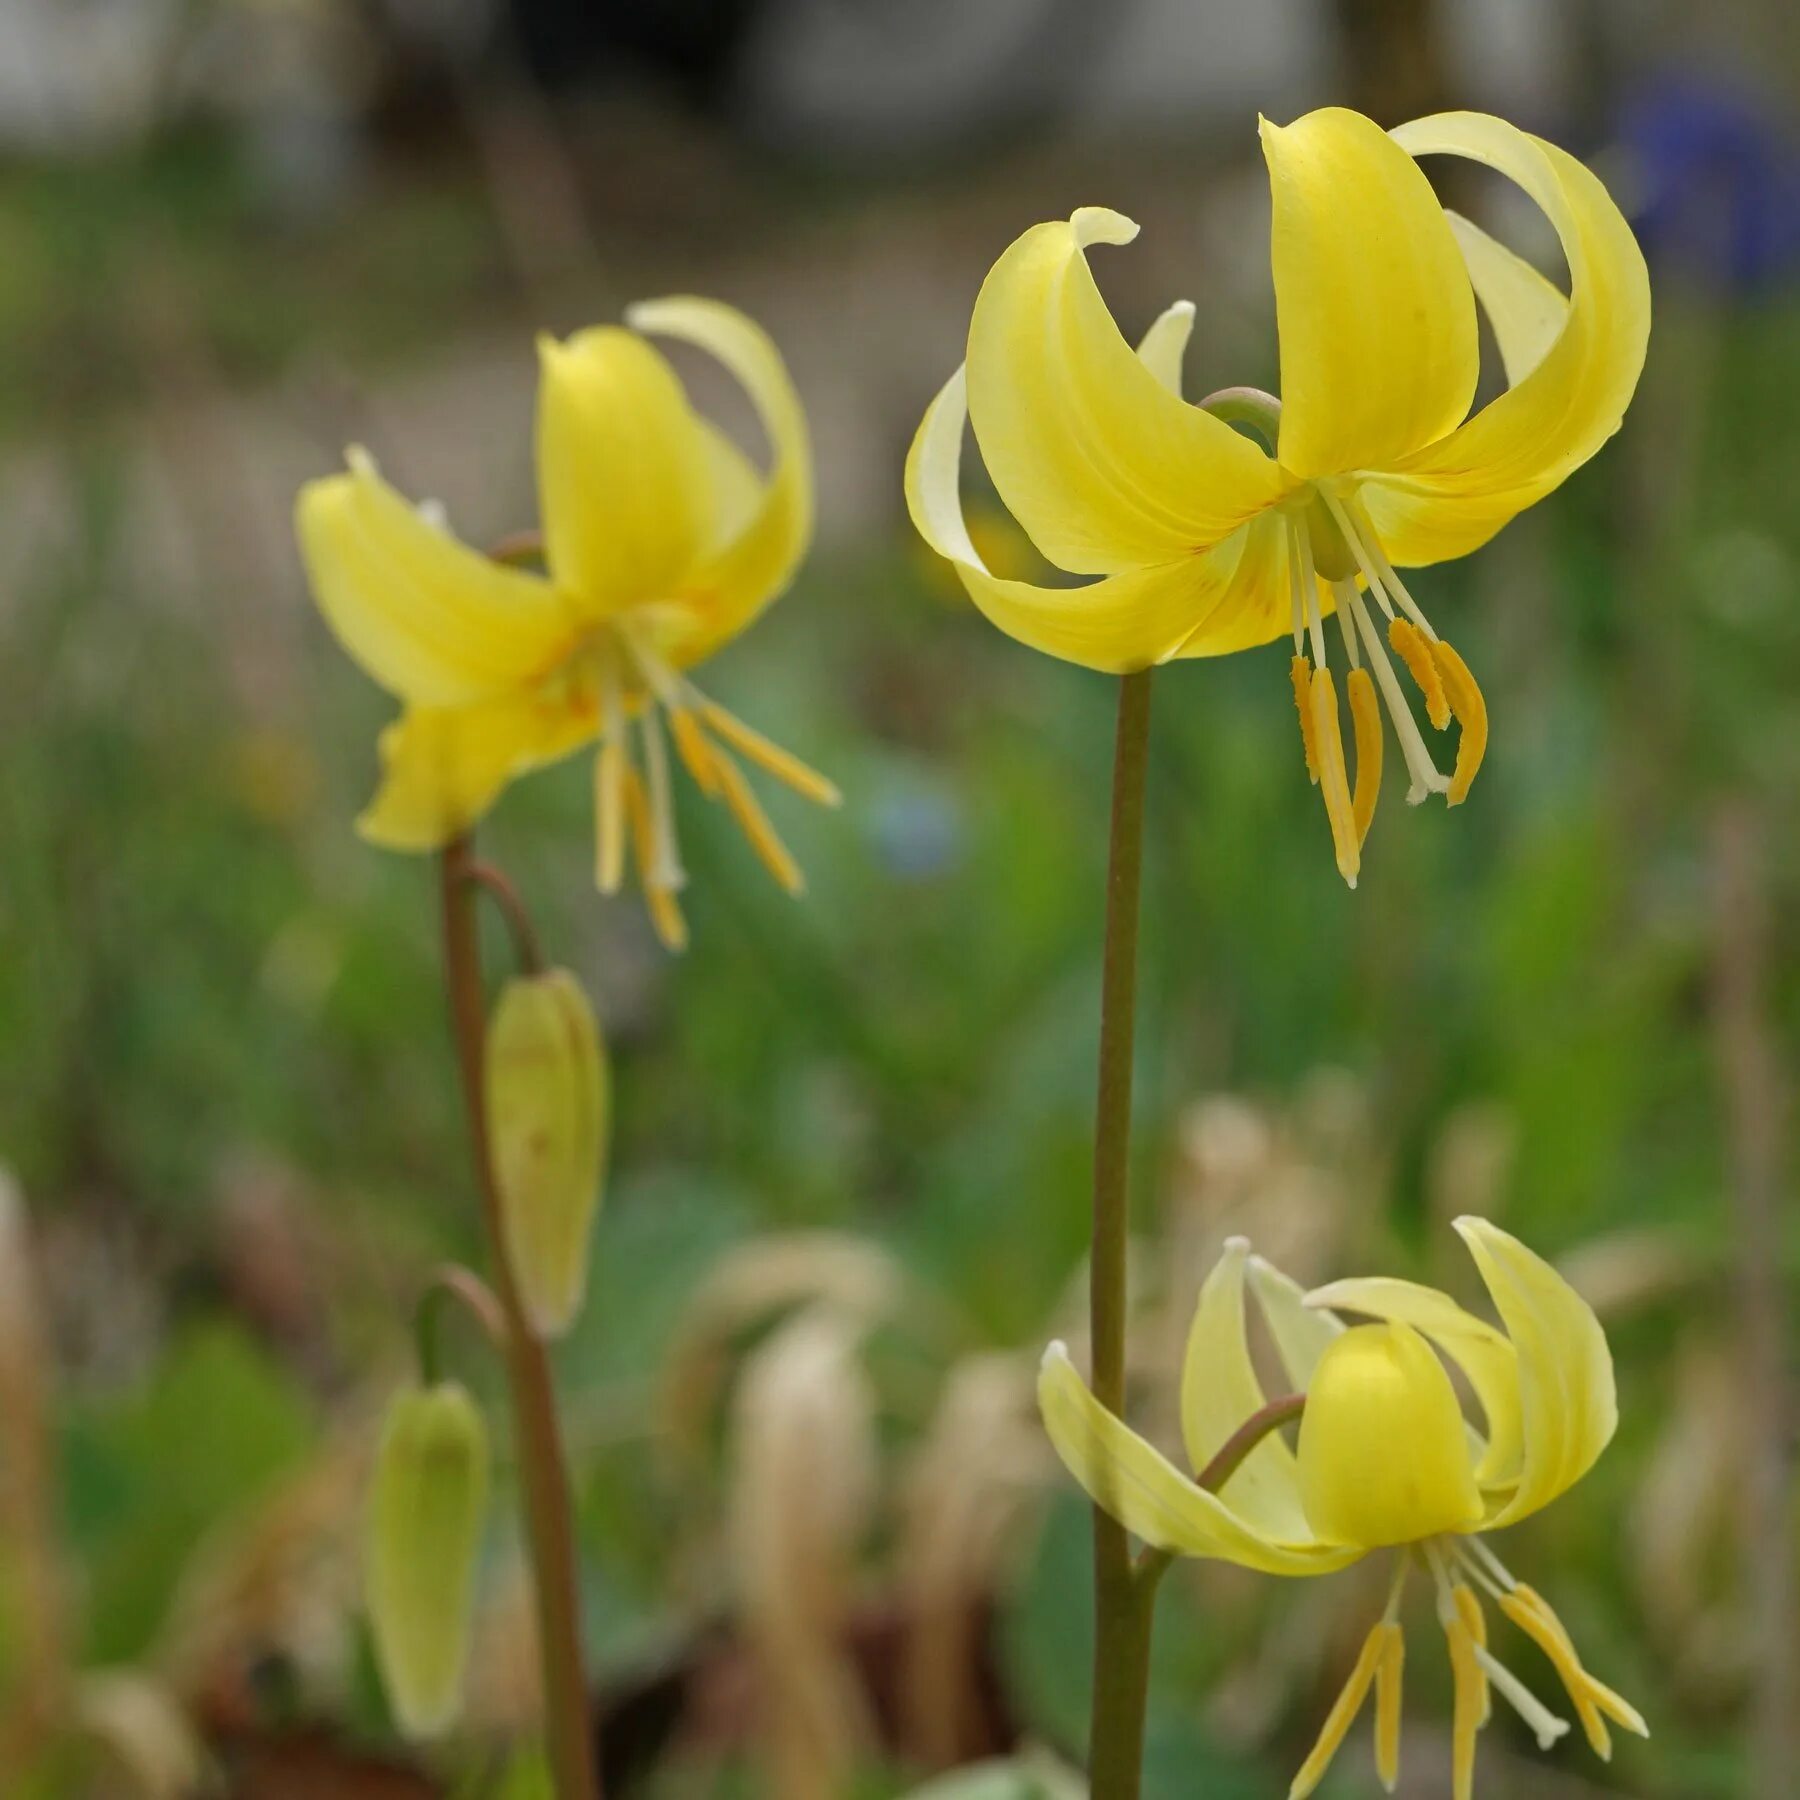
(430, 1500)
(548, 1110)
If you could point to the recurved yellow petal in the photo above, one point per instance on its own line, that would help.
(1450, 497)
(432, 621)
(1219, 1391)
(1384, 1454)
(1302, 1333)
(747, 567)
(1567, 1399)
(1483, 1354)
(1147, 1494)
(1162, 347)
(443, 767)
(625, 480)
(1379, 353)
(1525, 308)
(1104, 466)
(1124, 622)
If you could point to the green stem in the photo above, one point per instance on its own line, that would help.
(549, 1522)
(1124, 1600)
(1247, 406)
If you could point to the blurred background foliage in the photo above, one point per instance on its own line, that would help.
(825, 1550)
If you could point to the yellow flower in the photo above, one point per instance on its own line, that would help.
(1385, 1460)
(1206, 544)
(661, 542)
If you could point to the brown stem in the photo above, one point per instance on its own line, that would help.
(453, 1282)
(1755, 1127)
(549, 1524)
(517, 548)
(527, 946)
(1230, 1455)
(1123, 1605)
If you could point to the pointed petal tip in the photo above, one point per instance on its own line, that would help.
(1053, 1350)
(1237, 1245)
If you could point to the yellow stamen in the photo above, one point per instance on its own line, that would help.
(1301, 671)
(1387, 1707)
(665, 909)
(1343, 1712)
(611, 768)
(1470, 1698)
(754, 823)
(1334, 779)
(1414, 649)
(1592, 1698)
(695, 752)
(1468, 1608)
(1471, 714)
(666, 871)
(1365, 716)
(780, 763)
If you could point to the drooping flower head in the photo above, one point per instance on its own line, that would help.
(1386, 1461)
(661, 542)
(1203, 541)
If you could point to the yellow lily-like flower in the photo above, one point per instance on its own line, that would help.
(1206, 544)
(1385, 1460)
(661, 542)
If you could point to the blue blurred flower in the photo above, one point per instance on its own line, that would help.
(1719, 180)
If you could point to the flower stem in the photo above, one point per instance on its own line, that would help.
(549, 1524)
(1124, 1600)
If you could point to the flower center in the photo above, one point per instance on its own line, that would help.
(640, 702)
(1462, 1569)
(1331, 542)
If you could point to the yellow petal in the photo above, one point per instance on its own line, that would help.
(1147, 1494)
(443, 767)
(434, 622)
(1379, 353)
(1161, 348)
(1104, 467)
(1483, 1354)
(1567, 1400)
(1219, 1391)
(732, 585)
(1451, 497)
(1124, 622)
(624, 474)
(1258, 606)
(1302, 1333)
(1526, 310)
(1384, 1456)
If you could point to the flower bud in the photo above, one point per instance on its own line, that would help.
(548, 1111)
(430, 1499)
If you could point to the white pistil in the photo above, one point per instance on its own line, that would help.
(1524, 1702)
(1296, 604)
(1390, 1614)
(1378, 572)
(1542, 1721)
(1309, 588)
(1484, 1564)
(1424, 772)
